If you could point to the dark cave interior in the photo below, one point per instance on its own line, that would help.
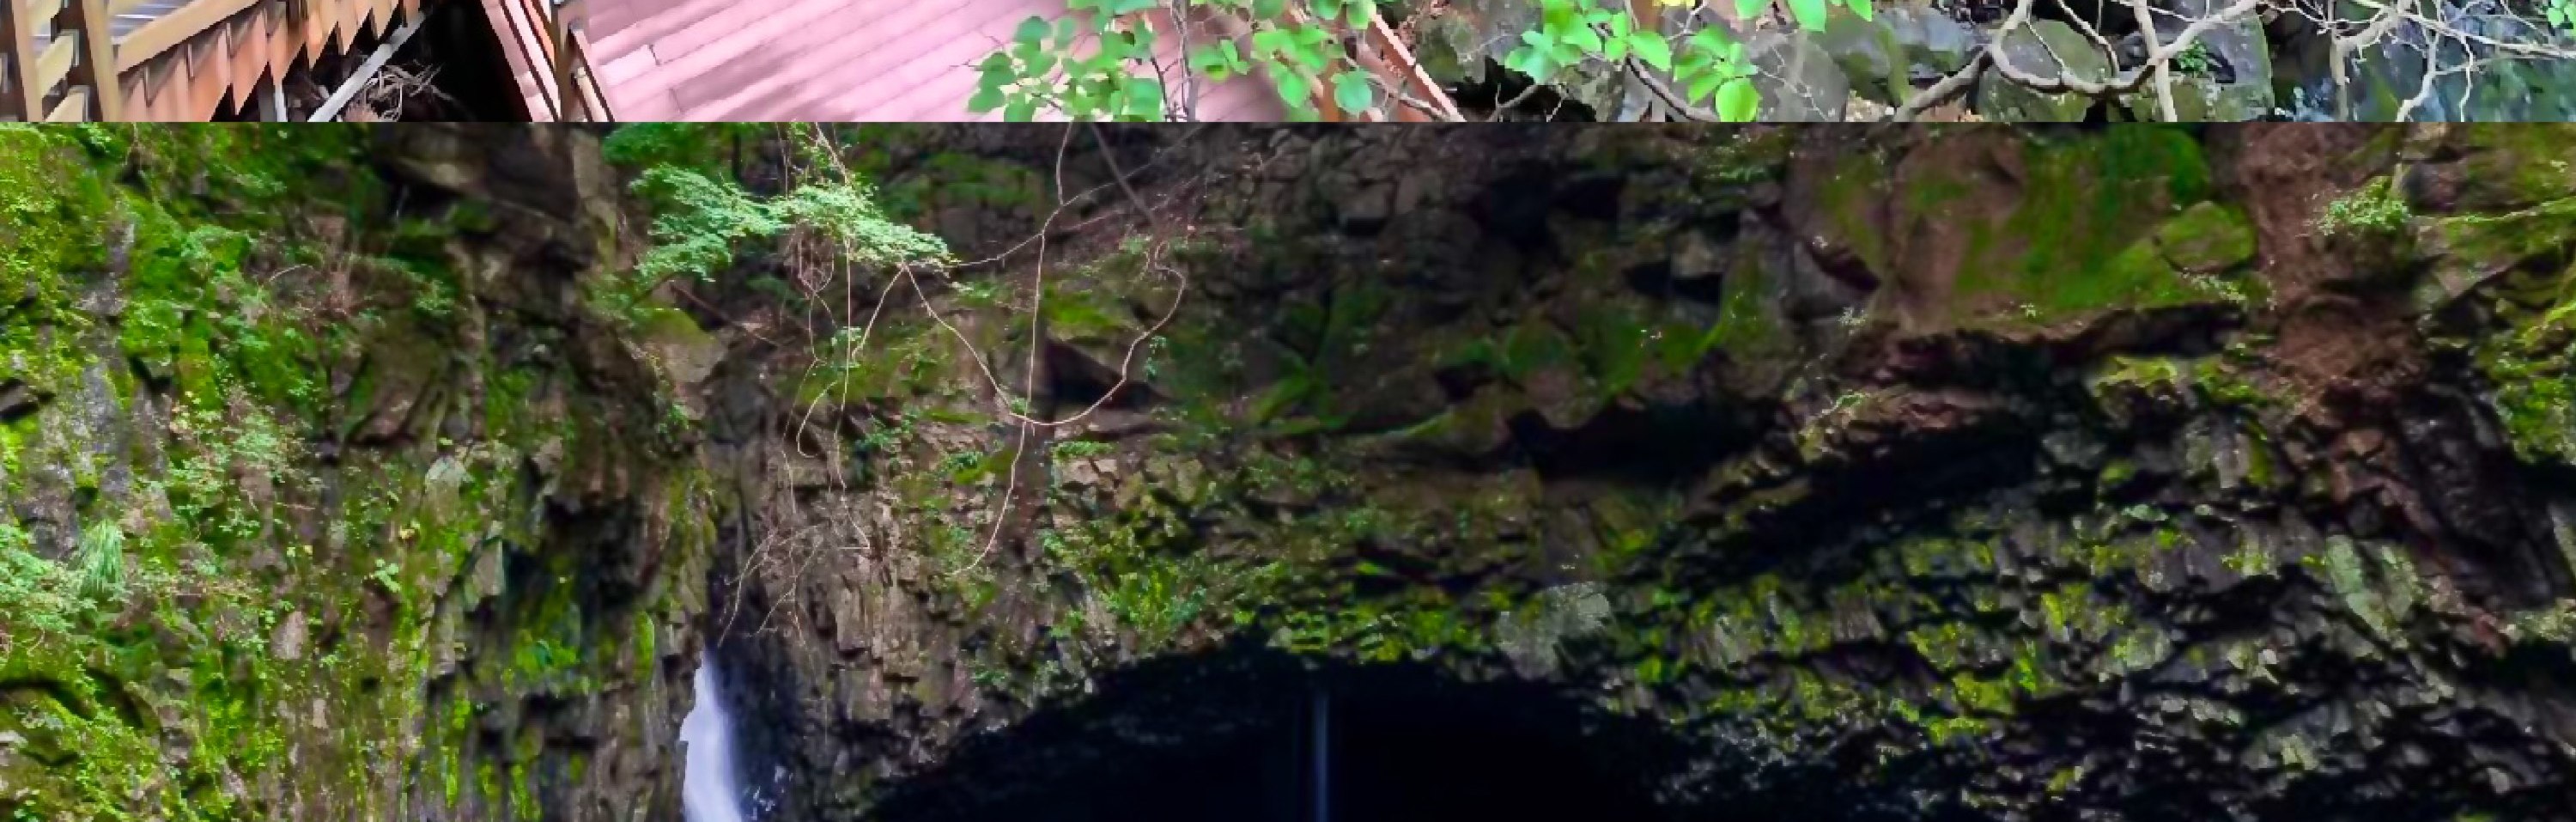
(1402, 745)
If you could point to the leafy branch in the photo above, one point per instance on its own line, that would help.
(1099, 60)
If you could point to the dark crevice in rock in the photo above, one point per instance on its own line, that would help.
(1651, 446)
(17, 401)
(1075, 381)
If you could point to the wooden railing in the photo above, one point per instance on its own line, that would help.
(189, 59)
(549, 56)
(58, 80)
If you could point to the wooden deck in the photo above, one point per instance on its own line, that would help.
(823, 60)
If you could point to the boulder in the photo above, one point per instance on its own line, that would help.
(1886, 56)
(1798, 79)
(2044, 48)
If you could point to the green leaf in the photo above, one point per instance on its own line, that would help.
(1810, 13)
(1269, 42)
(1749, 9)
(1737, 102)
(986, 99)
(1066, 31)
(1863, 9)
(1351, 91)
(1361, 11)
(997, 69)
(1585, 38)
(1557, 16)
(1217, 61)
(1031, 31)
(1530, 61)
(1130, 6)
(1309, 50)
(1268, 9)
(1708, 40)
(1652, 49)
(1144, 99)
(1702, 85)
(1020, 111)
(1292, 86)
(1328, 9)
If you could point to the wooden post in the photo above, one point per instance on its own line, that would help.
(19, 50)
(96, 67)
(567, 98)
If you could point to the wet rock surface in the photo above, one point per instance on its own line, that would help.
(391, 529)
(2062, 473)
(1988, 475)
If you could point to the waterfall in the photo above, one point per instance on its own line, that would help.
(1323, 714)
(710, 787)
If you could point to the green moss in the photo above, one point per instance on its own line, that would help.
(2207, 238)
(2533, 376)
(55, 213)
(2082, 236)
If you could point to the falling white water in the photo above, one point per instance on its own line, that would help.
(709, 788)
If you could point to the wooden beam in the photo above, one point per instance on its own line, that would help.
(593, 95)
(55, 63)
(96, 70)
(36, 13)
(168, 32)
(19, 99)
(348, 91)
(73, 108)
(1407, 72)
(568, 97)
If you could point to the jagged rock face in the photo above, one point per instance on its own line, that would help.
(2067, 474)
(372, 516)
(2073, 474)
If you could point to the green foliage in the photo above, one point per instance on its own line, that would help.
(2375, 209)
(1711, 70)
(1095, 62)
(705, 148)
(700, 221)
(41, 597)
(101, 560)
(2196, 59)
(1046, 67)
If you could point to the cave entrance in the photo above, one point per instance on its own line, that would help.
(1399, 745)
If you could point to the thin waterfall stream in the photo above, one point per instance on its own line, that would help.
(711, 781)
(1323, 757)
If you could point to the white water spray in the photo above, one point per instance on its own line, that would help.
(710, 787)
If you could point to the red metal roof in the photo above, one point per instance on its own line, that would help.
(823, 60)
